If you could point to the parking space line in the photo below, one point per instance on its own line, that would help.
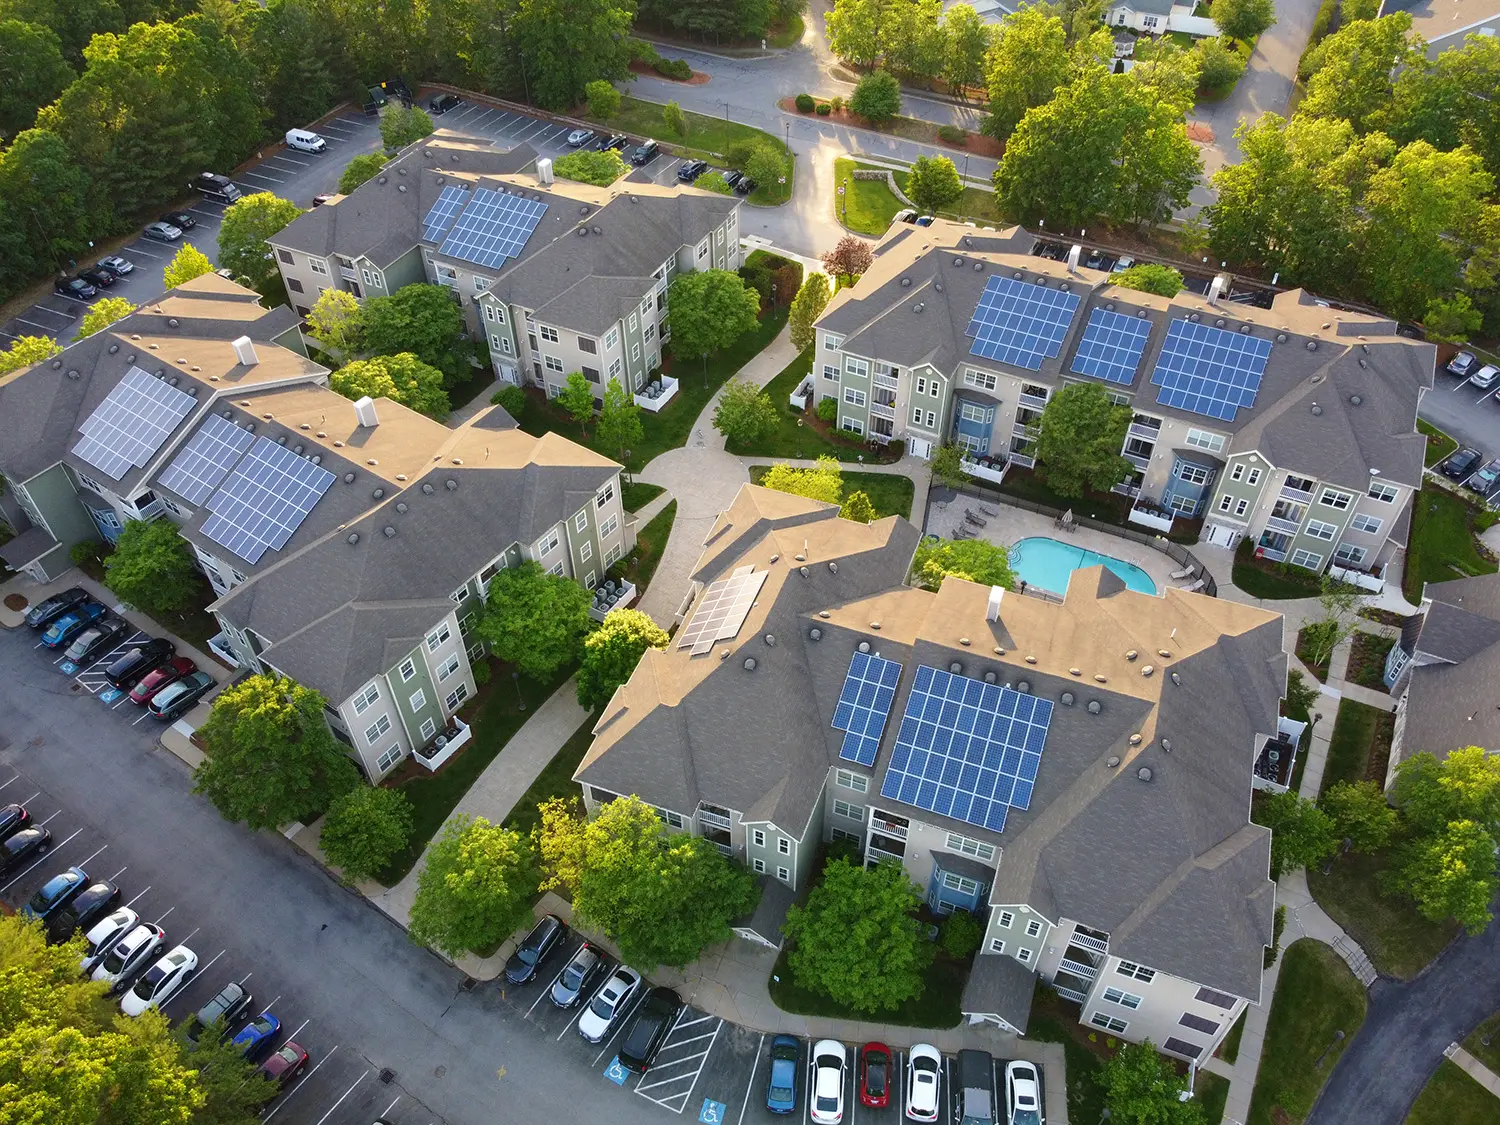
(262, 176)
(138, 895)
(31, 798)
(340, 1102)
(190, 936)
(540, 126)
(137, 251)
(301, 1082)
(517, 121)
(754, 1065)
(577, 1012)
(300, 1026)
(53, 817)
(7, 784)
(387, 1111)
(163, 916)
(691, 1039)
(289, 159)
(39, 859)
(87, 858)
(49, 309)
(690, 1023)
(210, 965)
(34, 324)
(246, 977)
(556, 977)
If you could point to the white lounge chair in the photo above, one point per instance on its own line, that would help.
(1185, 572)
(1198, 585)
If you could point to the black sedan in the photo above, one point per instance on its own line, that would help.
(96, 640)
(24, 846)
(98, 276)
(744, 185)
(90, 905)
(127, 671)
(442, 103)
(1460, 464)
(545, 936)
(616, 141)
(75, 287)
(13, 818)
(44, 613)
(179, 219)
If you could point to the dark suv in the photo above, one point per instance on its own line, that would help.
(644, 153)
(46, 612)
(648, 1029)
(1462, 463)
(442, 103)
(691, 170)
(545, 936)
(129, 670)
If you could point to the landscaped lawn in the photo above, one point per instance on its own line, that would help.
(1261, 578)
(1442, 544)
(1305, 644)
(890, 493)
(1451, 1097)
(975, 203)
(867, 206)
(1474, 1044)
(1400, 942)
(1316, 995)
(1360, 746)
(1211, 1092)
(1229, 1049)
(799, 434)
(650, 542)
(556, 780)
(937, 1006)
(493, 718)
(1439, 444)
(1367, 660)
(637, 494)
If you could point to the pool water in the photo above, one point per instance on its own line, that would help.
(1047, 563)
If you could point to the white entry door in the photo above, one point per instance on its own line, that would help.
(1221, 536)
(508, 372)
(920, 447)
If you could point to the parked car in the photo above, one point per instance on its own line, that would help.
(691, 170)
(744, 185)
(87, 907)
(96, 640)
(875, 1075)
(214, 186)
(616, 141)
(1485, 376)
(781, 1084)
(179, 695)
(55, 894)
(442, 103)
(905, 215)
(644, 152)
(75, 287)
(924, 220)
(827, 1087)
(1095, 260)
(733, 176)
(161, 981)
(257, 1035)
(98, 277)
(609, 1004)
(576, 977)
(130, 954)
(1122, 263)
(304, 141)
(19, 847)
(45, 612)
(127, 671)
(319, 200)
(117, 265)
(1461, 463)
(533, 950)
(226, 1009)
(62, 631)
(13, 818)
(1461, 364)
(158, 678)
(580, 137)
(288, 1061)
(1023, 1096)
(180, 219)
(1484, 478)
(974, 1079)
(648, 1028)
(924, 1069)
(105, 933)
(162, 232)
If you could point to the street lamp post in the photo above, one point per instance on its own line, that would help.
(725, 104)
(515, 678)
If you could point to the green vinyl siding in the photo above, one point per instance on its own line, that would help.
(402, 691)
(56, 500)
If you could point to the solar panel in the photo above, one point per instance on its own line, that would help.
(206, 459)
(493, 228)
(721, 610)
(264, 500)
(864, 704)
(1208, 370)
(437, 220)
(1111, 347)
(132, 422)
(967, 749)
(1020, 323)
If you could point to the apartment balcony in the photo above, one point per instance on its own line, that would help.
(1025, 432)
(448, 279)
(1143, 433)
(220, 648)
(1269, 553)
(1087, 941)
(880, 410)
(713, 820)
(1296, 495)
(1124, 489)
(447, 743)
(877, 853)
(888, 382)
(995, 474)
(1033, 402)
(1079, 969)
(1070, 994)
(1024, 461)
(1364, 579)
(1141, 463)
(349, 273)
(1286, 527)
(889, 827)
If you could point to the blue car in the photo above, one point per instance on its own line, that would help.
(257, 1035)
(69, 625)
(781, 1087)
(56, 893)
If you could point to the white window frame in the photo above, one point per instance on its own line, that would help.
(1202, 439)
(581, 520)
(548, 543)
(407, 670)
(758, 837)
(1320, 529)
(784, 874)
(1366, 524)
(375, 730)
(1192, 474)
(1226, 502)
(1385, 493)
(783, 846)
(856, 366)
(852, 425)
(833, 343)
(429, 728)
(365, 699)
(830, 373)
(1350, 555)
(1007, 919)
(1241, 507)
(388, 760)
(1136, 971)
(585, 551)
(1024, 955)
(457, 696)
(1333, 498)
(848, 811)
(758, 866)
(1253, 478)
(436, 638)
(1306, 559)
(1238, 472)
(1107, 1022)
(607, 528)
(981, 379)
(1122, 998)
(854, 396)
(417, 700)
(1033, 927)
(448, 667)
(957, 842)
(552, 363)
(318, 266)
(997, 945)
(548, 333)
(848, 779)
(960, 883)
(614, 368)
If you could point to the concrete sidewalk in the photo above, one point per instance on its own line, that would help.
(1475, 1070)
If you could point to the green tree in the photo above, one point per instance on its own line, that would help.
(1302, 835)
(1219, 67)
(714, 182)
(1451, 874)
(1300, 695)
(475, 889)
(766, 166)
(824, 482)
(1149, 277)
(269, 758)
(1348, 74)
(152, 567)
(50, 205)
(912, 31)
(243, 230)
(807, 306)
(577, 398)
(933, 184)
(1449, 101)
(365, 166)
(849, 258)
(858, 939)
(234, 1088)
(1338, 602)
(858, 507)
(1451, 321)
(512, 398)
(973, 560)
(674, 119)
(611, 652)
(1027, 63)
(566, 44)
(1141, 1087)
(335, 322)
(1432, 794)
(603, 98)
(364, 829)
(961, 935)
(876, 97)
(401, 125)
(421, 319)
(1351, 10)
(26, 351)
(854, 30)
(967, 39)
(591, 167)
(619, 429)
(708, 310)
(535, 620)
(947, 465)
(296, 56)
(1082, 433)
(101, 314)
(1360, 814)
(664, 897)
(189, 262)
(1243, 19)
(35, 73)
(1168, 72)
(744, 413)
(401, 378)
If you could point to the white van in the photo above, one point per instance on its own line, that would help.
(304, 141)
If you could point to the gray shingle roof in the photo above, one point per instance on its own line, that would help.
(27, 547)
(1000, 985)
(769, 915)
(1450, 703)
(345, 650)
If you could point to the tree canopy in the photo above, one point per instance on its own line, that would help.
(400, 125)
(611, 652)
(849, 258)
(976, 560)
(858, 507)
(535, 620)
(1026, 64)
(189, 262)
(152, 567)
(1348, 74)
(1243, 19)
(933, 184)
(877, 97)
(421, 319)
(401, 378)
(26, 351)
(1082, 433)
(1141, 1087)
(243, 230)
(365, 166)
(619, 428)
(744, 413)
(1149, 277)
(708, 310)
(475, 889)
(101, 314)
(364, 829)
(335, 322)
(577, 398)
(1302, 834)
(35, 72)
(824, 482)
(807, 306)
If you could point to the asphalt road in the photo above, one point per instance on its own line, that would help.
(1468, 413)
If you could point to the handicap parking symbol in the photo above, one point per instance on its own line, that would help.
(712, 1112)
(615, 1072)
(109, 695)
(67, 668)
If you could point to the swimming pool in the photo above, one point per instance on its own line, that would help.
(1047, 563)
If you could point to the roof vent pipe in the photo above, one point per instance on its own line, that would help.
(1144, 773)
(1112, 761)
(1023, 686)
(1075, 255)
(992, 610)
(749, 663)
(815, 634)
(244, 351)
(864, 646)
(1217, 288)
(364, 412)
(989, 677)
(956, 668)
(1066, 699)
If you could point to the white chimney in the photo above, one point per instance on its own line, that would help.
(544, 170)
(1075, 255)
(244, 351)
(992, 611)
(1216, 290)
(364, 410)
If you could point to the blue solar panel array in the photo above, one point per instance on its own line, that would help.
(1112, 346)
(493, 228)
(864, 704)
(132, 423)
(1210, 371)
(265, 500)
(206, 459)
(443, 212)
(1020, 323)
(967, 749)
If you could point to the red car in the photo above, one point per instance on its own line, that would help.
(875, 1075)
(285, 1064)
(169, 673)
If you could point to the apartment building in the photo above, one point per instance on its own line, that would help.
(553, 276)
(349, 543)
(1293, 426)
(1076, 774)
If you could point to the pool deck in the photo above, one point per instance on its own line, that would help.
(1014, 524)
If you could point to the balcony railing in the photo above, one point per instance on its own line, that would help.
(448, 279)
(889, 382)
(1126, 490)
(1143, 433)
(879, 853)
(1024, 461)
(1087, 941)
(712, 819)
(1025, 432)
(349, 273)
(1269, 553)
(219, 646)
(880, 410)
(1288, 527)
(1035, 402)
(1139, 462)
(447, 743)
(1070, 994)
(1079, 969)
(1296, 495)
(888, 827)
(1364, 579)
